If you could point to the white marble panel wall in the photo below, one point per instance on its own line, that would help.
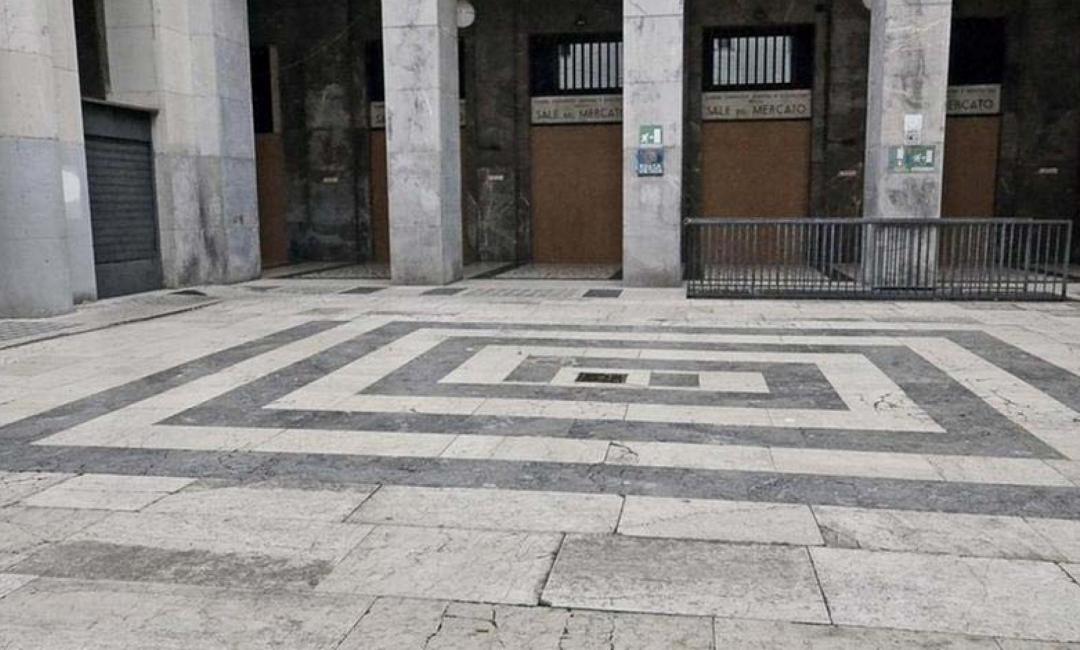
(73, 150)
(34, 276)
(653, 33)
(423, 140)
(189, 61)
(909, 70)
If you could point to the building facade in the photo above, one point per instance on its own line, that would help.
(166, 140)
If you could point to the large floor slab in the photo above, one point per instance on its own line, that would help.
(685, 577)
(993, 597)
(77, 614)
(393, 624)
(491, 510)
(486, 566)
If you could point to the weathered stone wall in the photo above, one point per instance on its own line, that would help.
(325, 109)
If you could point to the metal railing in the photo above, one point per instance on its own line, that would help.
(942, 259)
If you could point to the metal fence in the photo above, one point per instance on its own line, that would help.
(943, 259)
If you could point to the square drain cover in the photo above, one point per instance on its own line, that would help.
(601, 378)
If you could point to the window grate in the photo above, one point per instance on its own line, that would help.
(577, 65)
(755, 59)
(601, 378)
(977, 51)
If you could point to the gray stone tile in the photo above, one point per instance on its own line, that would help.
(622, 631)
(685, 577)
(499, 567)
(732, 521)
(491, 509)
(264, 502)
(9, 582)
(932, 532)
(1062, 534)
(1017, 644)
(1070, 469)
(70, 613)
(740, 634)
(1073, 570)
(16, 486)
(252, 570)
(937, 593)
(294, 538)
(394, 624)
(26, 530)
(107, 492)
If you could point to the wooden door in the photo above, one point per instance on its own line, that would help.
(971, 163)
(756, 169)
(577, 194)
(273, 229)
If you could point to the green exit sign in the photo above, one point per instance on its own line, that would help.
(651, 135)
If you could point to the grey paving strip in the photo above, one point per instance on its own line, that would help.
(362, 291)
(444, 291)
(100, 561)
(603, 293)
(83, 410)
(763, 487)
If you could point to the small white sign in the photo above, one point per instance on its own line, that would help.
(913, 127)
(577, 109)
(758, 105)
(377, 114)
(975, 100)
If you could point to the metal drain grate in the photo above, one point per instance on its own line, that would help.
(601, 378)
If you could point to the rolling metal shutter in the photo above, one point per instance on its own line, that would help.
(120, 172)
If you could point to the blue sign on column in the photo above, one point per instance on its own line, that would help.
(650, 162)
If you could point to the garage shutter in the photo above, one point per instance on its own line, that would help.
(120, 172)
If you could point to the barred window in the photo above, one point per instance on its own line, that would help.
(977, 53)
(759, 59)
(577, 65)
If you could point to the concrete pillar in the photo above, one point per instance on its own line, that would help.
(906, 105)
(423, 140)
(189, 61)
(34, 277)
(72, 150)
(653, 97)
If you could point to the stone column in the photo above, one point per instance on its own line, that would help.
(72, 150)
(189, 61)
(423, 140)
(34, 276)
(653, 97)
(906, 106)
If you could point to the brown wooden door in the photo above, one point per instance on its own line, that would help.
(380, 199)
(577, 194)
(756, 169)
(971, 162)
(270, 185)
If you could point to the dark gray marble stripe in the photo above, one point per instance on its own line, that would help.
(312, 469)
(84, 410)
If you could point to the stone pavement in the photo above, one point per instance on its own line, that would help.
(335, 463)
